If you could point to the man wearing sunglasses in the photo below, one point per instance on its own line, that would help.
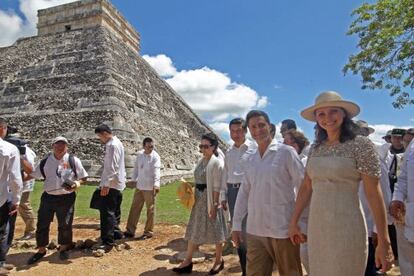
(146, 178)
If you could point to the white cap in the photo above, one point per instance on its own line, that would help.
(60, 139)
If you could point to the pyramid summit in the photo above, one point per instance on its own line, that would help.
(84, 68)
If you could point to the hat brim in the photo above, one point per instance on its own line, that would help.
(54, 142)
(371, 130)
(351, 108)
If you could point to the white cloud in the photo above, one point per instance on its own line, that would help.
(162, 64)
(13, 26)
(222, 129)
(211, 93)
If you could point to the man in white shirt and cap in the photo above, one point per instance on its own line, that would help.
(146, 177)
(63, 173)
(10, 193)
(402, 209)
(111, 186)
(267, 194)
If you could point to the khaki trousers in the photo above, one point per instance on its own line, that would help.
(263, 253)
(141, 197)
(405, 252)
(26, 212)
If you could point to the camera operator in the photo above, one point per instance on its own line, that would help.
(27, 160)
(63, 173)
(10, 192)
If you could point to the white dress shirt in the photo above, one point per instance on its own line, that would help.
(404, 190)
(233, 164)
(113, 174)
(11, 184)
(30, 157)
(55, 171)
(386, 193)
(267, 191)
(147, 171)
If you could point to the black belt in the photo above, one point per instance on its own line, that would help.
(234, 185)
(201, 187)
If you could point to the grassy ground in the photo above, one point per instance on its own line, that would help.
(168, 209)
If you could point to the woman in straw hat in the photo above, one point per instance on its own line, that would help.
(338, 160)
(207, 224)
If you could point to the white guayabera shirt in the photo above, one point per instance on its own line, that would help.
(267, 192)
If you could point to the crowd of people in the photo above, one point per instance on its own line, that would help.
(339, 206)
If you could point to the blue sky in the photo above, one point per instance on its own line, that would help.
(272, 55)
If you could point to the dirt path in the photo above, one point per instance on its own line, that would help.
(155, 256)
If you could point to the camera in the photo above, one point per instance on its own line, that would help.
(68, 184)
(18, 142)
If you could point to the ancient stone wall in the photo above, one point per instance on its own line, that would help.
(86, 14)
(68, 83)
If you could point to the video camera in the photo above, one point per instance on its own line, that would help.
(18, 142)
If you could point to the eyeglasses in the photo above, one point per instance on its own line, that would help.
(149, 146)
(204, 146)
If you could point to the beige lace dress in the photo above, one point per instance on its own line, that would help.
(337, 233)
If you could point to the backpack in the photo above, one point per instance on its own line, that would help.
(71, 165)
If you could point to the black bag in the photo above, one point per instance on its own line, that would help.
(96, 200)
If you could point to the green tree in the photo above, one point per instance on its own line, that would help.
(386, 42)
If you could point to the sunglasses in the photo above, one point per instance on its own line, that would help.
(204, 146)
(149, 146)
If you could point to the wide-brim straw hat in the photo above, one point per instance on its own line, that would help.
(363, 124)
(330, 99)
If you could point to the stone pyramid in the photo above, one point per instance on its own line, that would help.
(84, 68)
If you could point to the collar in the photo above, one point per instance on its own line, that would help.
(63, 158)
(247, 143)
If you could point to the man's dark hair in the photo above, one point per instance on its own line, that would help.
(103, 128)
(257, 113)
(238, 121)
(289, 123)
(272, 130)
(147, 140)
(3, 122)
(349, 130)
(213, 139)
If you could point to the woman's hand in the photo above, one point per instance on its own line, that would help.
(383, 255)
(295, 235)
(213, 212)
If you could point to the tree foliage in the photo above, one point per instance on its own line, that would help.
(386, 43)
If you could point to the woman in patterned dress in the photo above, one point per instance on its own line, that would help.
(207, 224)
(338, 161)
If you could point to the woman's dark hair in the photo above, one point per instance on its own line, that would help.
(299, 139)
(349, 130)
(213, 139)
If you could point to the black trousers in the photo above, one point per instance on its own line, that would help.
(371, 269)
(7, 224)
(64, 207)
(110, 214)
(392, 232)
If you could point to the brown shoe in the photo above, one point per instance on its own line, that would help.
(7, 266)
(4, 271)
